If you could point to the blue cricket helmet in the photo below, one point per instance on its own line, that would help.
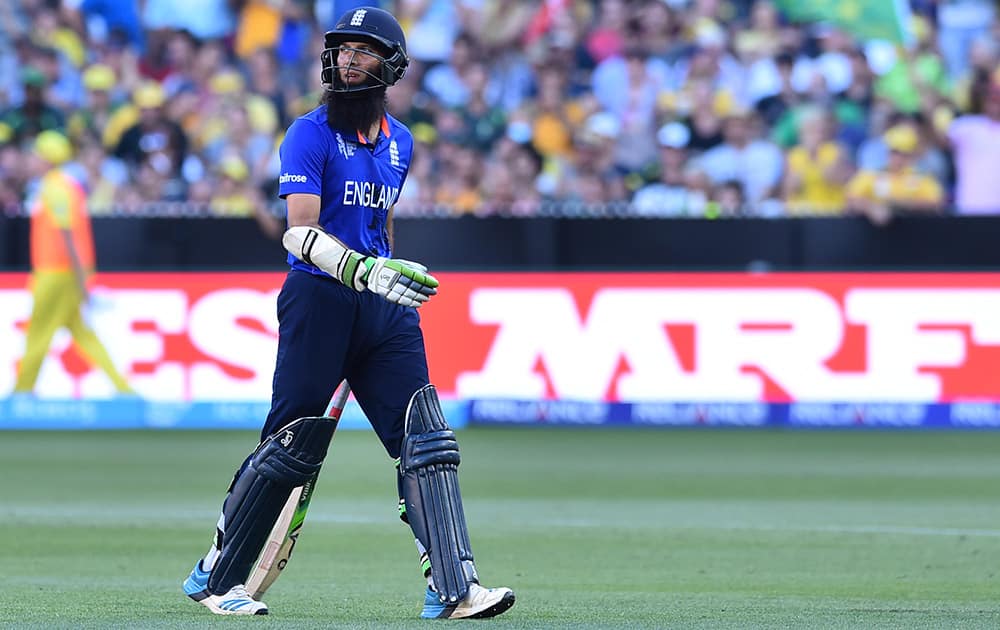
(366, 24)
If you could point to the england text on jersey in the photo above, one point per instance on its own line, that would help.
(369, 194)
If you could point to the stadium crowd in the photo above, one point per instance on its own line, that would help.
(703, 108)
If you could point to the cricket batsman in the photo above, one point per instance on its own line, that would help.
(348, 310)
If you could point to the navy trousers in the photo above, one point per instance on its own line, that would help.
(328, 332)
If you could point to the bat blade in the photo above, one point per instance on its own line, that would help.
(285, 533)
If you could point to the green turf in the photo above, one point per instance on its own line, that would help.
(594, 529)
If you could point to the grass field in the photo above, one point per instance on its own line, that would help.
(593, 529)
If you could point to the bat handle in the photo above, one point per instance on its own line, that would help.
(340, 399)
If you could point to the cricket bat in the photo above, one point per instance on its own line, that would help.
(285, 533)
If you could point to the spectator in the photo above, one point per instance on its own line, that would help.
(50, 29)
(500, 27)
(593, 155)
(975, 141)
(961, 23)
(699, 192)
(773, 107)
(265, 80)
(744, 157)
(446, 81)
(727, 200)
(759, 50)
(875, 153)
(460, 189)
(490, 75)
(258, 26)
(704, 114)
(205, 19)
(35, 114)
(918, 76)
(608, 36)
(832, 65)
(817, 170)
(659, 31)
(984, 56)
(852, 106)
(13, 176)
(432, 27)
(668, 195)
(65, 90)
(483, 120)
(879, 195)
(154, 141)
(232, 197)
(107, 18)
(94, 117)
(101, 175)
(710, 64)
(554, 115)
(179, 74)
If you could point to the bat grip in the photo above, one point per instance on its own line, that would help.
(340, 399)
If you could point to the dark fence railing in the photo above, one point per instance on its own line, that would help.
(494, 243)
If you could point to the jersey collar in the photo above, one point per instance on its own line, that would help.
(385, 130)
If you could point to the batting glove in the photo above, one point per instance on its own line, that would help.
(399, 281)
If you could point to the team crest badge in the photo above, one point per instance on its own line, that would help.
(346, 148)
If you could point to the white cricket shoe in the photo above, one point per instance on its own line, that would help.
(479, 603)
(236, 602)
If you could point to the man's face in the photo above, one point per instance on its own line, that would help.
(358, 61)
(36, 166)
(100, 98)
(33, 94)
(737, 130)
(899, 161)
(149, 115)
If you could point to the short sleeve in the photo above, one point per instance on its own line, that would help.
(303, 155)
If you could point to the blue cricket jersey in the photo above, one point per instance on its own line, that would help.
(357, 182)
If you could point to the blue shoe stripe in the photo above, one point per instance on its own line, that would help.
(432, 612)
(433, 608)
(236, 604)
(197, 581)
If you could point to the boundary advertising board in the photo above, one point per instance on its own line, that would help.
(649, 349)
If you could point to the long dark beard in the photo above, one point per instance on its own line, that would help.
(354, 111)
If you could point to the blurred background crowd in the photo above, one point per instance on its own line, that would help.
(695, 108)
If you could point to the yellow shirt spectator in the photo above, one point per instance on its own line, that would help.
(905, 189)
(259, 27)
(238, 204)
(233, 198)
(878, 194)
(815, 191)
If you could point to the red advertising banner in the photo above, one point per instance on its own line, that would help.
(780, 338)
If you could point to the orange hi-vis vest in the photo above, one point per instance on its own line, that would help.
(61, 204)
